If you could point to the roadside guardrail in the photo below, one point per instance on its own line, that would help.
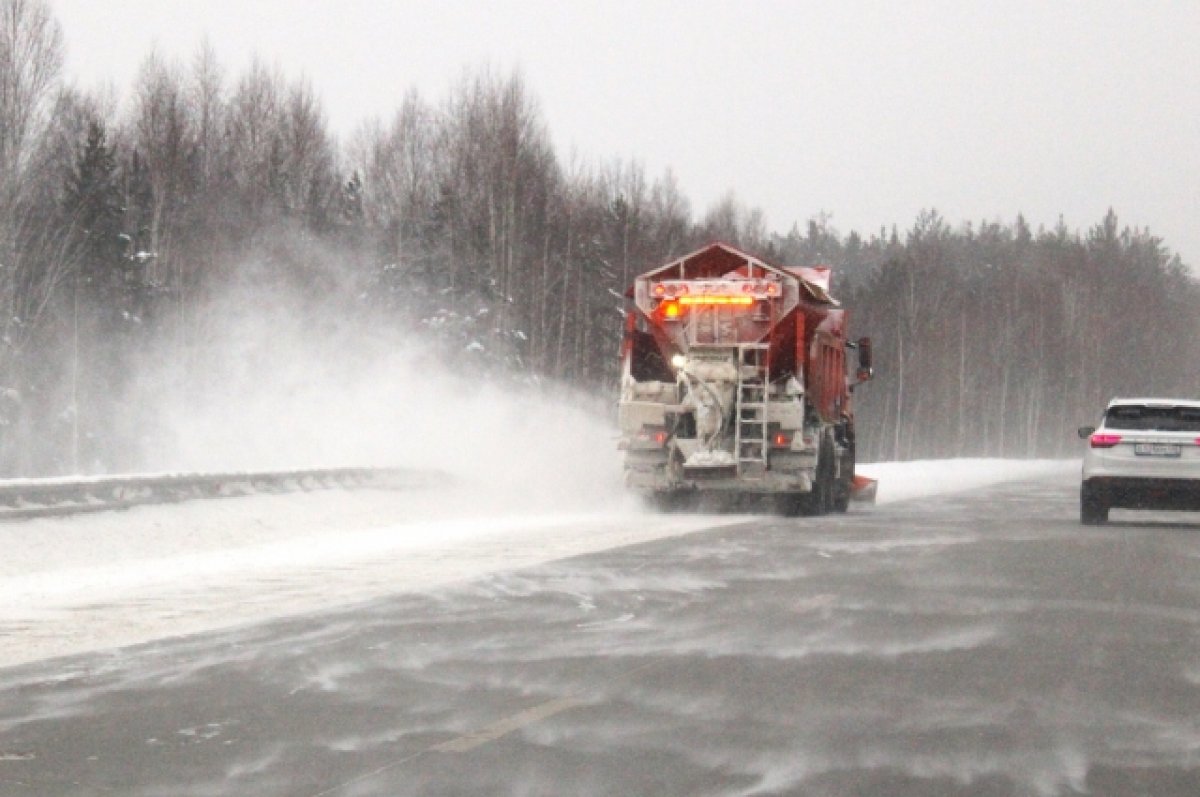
(27, 498)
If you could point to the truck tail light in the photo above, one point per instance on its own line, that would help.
(1099, 440)
(781, 440)
(649, 436)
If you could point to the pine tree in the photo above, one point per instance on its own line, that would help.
(107, 299)
(94, 214)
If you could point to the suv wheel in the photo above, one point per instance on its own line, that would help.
(1092, 509)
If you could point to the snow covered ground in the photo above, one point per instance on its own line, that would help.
(902, 481)
(76, 584)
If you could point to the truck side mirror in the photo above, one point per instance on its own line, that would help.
(865, 371)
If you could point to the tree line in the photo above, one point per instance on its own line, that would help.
(1001, 340)
(129, 224)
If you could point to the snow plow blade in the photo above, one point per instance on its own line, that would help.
(863, 489)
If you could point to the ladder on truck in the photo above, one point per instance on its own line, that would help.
(750, 428)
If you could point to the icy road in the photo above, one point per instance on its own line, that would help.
(966, 636)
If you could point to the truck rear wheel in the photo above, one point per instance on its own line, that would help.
(821, 500)
(841, 502)
(841, 497)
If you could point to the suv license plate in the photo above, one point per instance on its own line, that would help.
(1156, 450)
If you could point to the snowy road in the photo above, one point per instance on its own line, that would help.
(962, 643)
(75, 584)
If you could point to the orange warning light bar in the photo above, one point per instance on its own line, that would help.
(710, 299)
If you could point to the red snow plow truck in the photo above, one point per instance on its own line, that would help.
(734, 383)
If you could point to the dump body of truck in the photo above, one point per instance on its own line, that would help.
(734, 381)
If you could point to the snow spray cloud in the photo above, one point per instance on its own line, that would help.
(278, 387)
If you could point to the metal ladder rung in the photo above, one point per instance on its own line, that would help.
(751, 424)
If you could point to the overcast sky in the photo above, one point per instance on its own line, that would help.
(869, 111)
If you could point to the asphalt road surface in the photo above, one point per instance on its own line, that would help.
(977, 644)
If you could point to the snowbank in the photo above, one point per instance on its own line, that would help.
(902, 481)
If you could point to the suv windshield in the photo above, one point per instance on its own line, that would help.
(1162, 419)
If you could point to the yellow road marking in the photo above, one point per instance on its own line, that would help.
(507, 725)
(470, 741)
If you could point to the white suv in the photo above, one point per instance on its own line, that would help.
(1144, 455)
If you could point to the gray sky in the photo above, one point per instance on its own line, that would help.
(869, 111)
